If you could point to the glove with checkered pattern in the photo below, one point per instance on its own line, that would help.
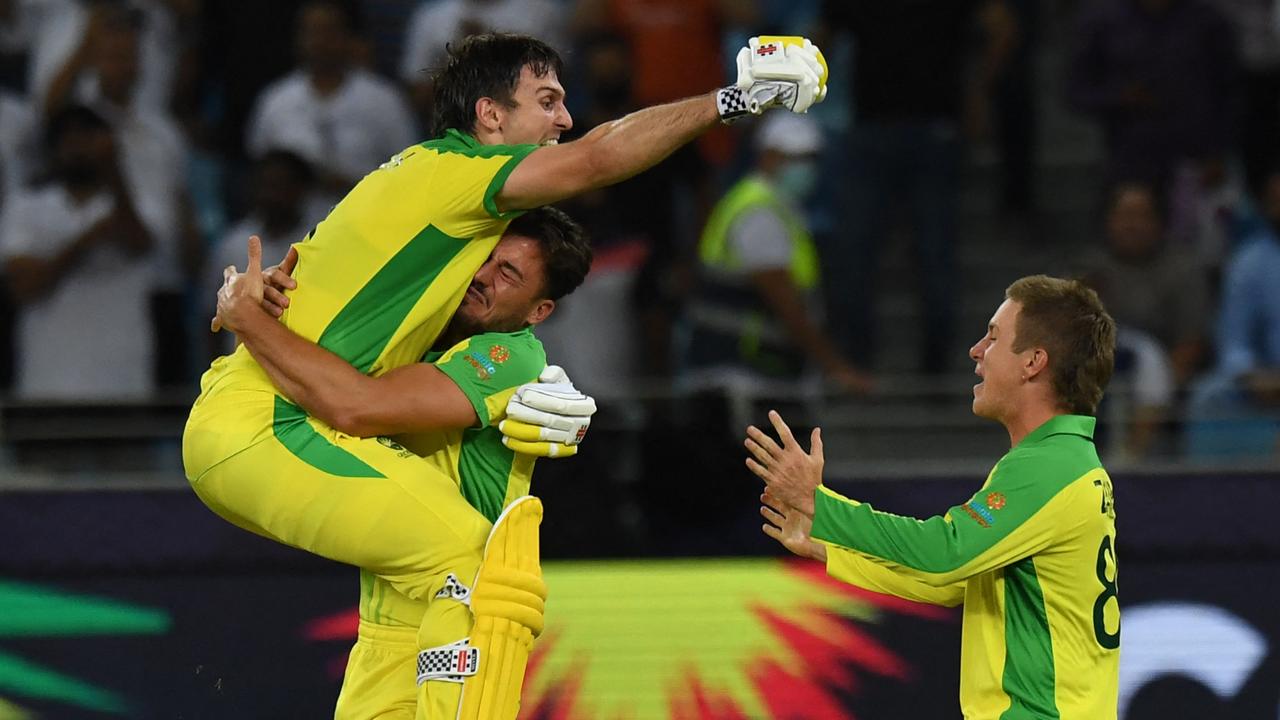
(774, 71)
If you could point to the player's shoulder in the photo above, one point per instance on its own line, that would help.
(521, 346)
(454, 142)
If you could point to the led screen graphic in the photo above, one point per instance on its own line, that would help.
(667, 639)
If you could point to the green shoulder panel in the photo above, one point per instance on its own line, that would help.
(1023, 482)
(490, 363)
(461, 143)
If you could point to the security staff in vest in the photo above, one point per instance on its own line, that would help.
(756, 312)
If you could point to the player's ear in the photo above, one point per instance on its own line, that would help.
(541, 311)
(1035, 363)
(488, 115)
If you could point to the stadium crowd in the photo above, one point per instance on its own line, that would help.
(143, 141)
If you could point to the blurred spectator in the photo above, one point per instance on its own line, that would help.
(63, 64)
(342, 119)
(1257, 25)
(755, 308)
(436, 23)
(1235, 410)
(676, 44)
(1158, 294)
(910, 100)
(153, 161)
(278, 215)
(17, 143)
(75, 252)
(1013, 98)
(1161, 78)
(1208, 205)
(1148, 285)
(17, 22)
(17, 148)
(597, 333)
(676, 49)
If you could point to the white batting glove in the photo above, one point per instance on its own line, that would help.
(775, 71)
(547, 418)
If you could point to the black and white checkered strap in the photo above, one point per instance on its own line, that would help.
(451, 663)
(731, 102)
(453, 588)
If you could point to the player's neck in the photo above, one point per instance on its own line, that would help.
(1027, 418)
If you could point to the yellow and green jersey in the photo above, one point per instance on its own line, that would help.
(487, 368)
(1032, 558)
(379, 278)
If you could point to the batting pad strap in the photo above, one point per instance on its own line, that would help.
(454, 589)
(453, 663)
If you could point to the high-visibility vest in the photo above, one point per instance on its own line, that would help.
(726, 304)
(751, 193)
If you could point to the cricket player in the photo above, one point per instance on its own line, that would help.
(1032, 554)
(486, 352)
(378, 280)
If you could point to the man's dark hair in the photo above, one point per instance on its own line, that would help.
(485, 66)
(1066, 318)
(566, 251)
(292, 162)
(72, 118)
(1159, 200)
(348, 11)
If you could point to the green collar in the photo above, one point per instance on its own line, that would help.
(1081, 425)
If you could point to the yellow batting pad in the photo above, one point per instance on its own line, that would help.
(507, 600)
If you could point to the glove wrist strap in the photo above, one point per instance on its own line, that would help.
(732, 104)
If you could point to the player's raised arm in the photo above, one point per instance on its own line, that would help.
(773, 72)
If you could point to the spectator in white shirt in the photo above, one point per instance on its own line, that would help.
(436, 23)
(278, 216)
(342, 119)
(75, 252)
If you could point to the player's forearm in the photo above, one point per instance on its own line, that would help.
(323, 384)
(609, 154)
(642, 139)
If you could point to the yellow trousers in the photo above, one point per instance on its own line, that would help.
(361, 501)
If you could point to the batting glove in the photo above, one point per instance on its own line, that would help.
(775, 71)
(547, 418)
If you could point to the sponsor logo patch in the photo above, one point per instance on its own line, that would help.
(499, 354)
(484, 367)
(980, 514)
(767, 50)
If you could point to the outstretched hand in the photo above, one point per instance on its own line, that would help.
(790, 527)
(791, 474)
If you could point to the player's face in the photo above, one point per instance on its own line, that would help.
(539, 116)
(998, 366)
(506, 292)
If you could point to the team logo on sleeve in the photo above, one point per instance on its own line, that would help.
(499, 354)
(984, 514)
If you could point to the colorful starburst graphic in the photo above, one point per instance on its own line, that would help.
(35, 611)
(698, 640)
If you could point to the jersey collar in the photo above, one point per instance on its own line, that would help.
(1081, 425)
